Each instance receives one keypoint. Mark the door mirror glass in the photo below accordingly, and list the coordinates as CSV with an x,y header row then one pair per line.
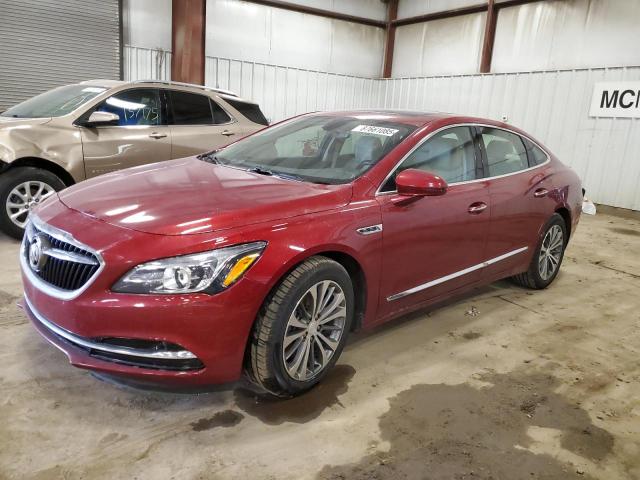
x,y
97,119
418,183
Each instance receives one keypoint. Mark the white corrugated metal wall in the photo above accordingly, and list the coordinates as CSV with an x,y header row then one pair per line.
x,y
552,105
284,91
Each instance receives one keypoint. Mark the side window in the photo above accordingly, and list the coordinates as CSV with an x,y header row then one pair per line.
x,y
537,156
505,151
250,110
219,115
190,108
138,106
449,154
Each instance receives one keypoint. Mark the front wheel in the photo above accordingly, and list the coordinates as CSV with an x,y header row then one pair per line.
x,y
21,190
302,328
548,256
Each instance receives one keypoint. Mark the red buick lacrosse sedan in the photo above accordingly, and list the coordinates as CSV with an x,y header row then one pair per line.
x,y
263,256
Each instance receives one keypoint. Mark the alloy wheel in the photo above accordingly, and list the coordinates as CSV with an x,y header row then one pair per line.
x,y
24,197
550,252
314,330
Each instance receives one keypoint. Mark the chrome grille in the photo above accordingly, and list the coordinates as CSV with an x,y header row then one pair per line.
x,y
61,262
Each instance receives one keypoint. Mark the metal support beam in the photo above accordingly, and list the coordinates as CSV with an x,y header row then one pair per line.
x,y
187,41
390,38
456,12
489,37
294,7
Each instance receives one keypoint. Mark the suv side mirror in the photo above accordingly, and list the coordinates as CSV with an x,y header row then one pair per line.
x,y
97,119
418,183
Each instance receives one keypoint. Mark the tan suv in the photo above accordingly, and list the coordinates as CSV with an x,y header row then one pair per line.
x,y
79,131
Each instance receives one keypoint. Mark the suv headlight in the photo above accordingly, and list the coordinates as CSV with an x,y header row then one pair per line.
x,y
209,272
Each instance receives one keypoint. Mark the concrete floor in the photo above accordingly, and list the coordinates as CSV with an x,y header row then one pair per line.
x,y
502,384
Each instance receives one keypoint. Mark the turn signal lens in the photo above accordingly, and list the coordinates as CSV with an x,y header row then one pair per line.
x,y
239,268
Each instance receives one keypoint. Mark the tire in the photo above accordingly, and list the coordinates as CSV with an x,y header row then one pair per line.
x,y
536,277
17,180
270,361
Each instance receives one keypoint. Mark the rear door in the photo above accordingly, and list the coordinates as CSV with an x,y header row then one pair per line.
x,y
140,137
434,245
198,124
518,191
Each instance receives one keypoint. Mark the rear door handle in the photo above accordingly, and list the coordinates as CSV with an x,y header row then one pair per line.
x,y
541,192
227,133
157,135
477,207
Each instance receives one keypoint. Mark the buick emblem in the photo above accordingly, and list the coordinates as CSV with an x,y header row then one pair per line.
x,y
37,255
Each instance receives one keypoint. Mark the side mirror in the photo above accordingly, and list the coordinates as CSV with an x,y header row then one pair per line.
x,y
418,183
97,119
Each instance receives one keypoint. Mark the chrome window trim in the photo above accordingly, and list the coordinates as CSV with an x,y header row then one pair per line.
x,y
101,347
451,276
61,235
379,191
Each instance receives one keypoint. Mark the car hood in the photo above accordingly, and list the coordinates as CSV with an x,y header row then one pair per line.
x,y
189,196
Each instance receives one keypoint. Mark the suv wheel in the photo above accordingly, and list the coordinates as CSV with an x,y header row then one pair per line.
x,y
302,328
21,190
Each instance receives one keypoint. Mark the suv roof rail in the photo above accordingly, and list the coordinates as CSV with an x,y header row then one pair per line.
x,y
192,85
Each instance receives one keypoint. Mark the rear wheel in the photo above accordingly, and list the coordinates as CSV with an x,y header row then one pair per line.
x,y
302,328
21,190
547,259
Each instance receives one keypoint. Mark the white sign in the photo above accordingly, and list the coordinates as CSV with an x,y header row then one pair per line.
x,y
387,132
616,99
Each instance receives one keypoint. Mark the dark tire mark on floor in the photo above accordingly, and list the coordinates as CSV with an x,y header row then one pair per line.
x,y
302,409
626,231
225,419
453,432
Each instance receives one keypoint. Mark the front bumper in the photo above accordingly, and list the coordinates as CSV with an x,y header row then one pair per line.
x,y
149,354
192,340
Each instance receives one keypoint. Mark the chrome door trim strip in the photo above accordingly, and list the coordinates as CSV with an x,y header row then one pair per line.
x,y
484,179
451,276
101,347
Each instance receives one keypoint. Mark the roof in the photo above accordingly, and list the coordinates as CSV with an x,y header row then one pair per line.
x,y
104,83
410,117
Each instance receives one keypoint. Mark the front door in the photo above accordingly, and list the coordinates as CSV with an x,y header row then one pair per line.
x,y
434,245
199,124
139,138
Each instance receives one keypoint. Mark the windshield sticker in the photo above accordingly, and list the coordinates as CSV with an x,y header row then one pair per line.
x,y
94,89
387,132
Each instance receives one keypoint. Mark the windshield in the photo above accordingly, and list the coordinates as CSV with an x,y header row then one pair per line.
x,y
320,149
54,103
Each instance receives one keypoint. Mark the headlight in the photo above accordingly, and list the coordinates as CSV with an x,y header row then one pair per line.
x,y
209,272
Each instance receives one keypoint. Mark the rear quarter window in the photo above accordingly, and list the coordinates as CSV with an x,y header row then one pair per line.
x,y
250,110
537,156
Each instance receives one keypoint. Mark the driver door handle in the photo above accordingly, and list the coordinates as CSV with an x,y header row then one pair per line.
x,y
157,135
477,207
541,192
227,133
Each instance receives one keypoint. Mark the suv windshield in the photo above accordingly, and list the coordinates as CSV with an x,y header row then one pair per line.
x,y
320,149
54,103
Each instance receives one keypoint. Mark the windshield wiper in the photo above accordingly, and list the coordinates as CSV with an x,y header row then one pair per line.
x,y
271,173
210,157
